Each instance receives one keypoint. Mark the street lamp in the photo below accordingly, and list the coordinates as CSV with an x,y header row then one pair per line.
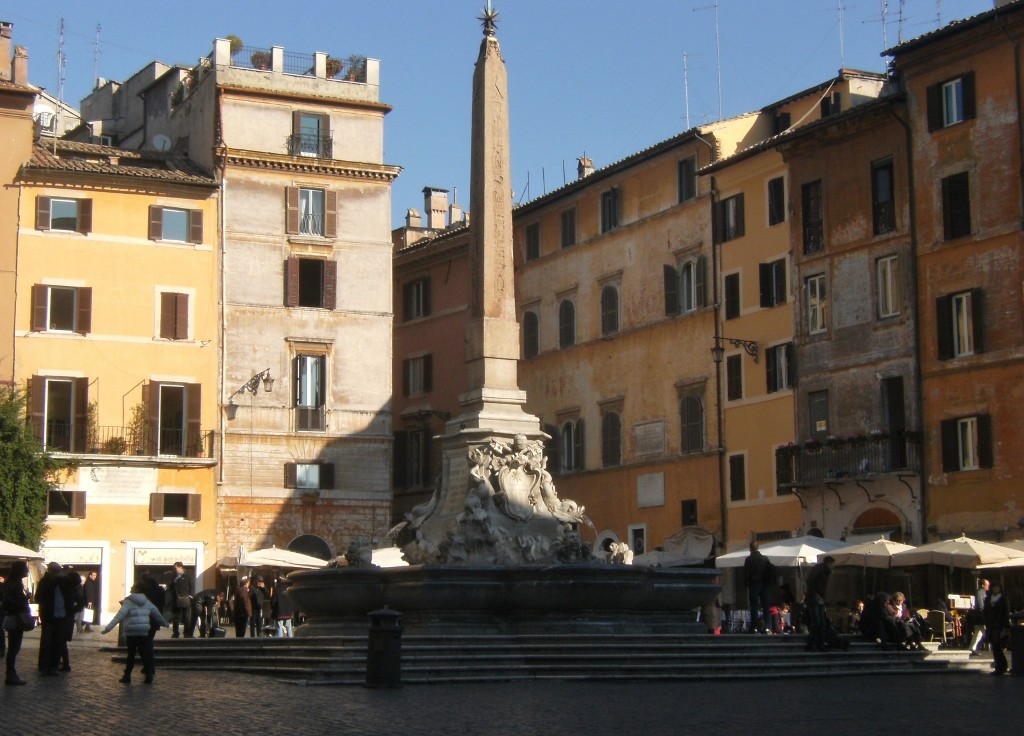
x,y
718,350
252,386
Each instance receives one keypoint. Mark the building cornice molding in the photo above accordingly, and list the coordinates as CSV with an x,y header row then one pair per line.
x,y
313,166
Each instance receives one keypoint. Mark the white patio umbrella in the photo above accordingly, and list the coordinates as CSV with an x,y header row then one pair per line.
x,y
10,551
962,552
785,552
877,554
274,557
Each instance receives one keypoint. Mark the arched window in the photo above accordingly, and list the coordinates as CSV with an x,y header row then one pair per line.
x,y
531,334
566,324
684,289
691,425
611,440
609,310
572,446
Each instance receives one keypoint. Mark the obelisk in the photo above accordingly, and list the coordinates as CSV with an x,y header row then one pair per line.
x,y
493,399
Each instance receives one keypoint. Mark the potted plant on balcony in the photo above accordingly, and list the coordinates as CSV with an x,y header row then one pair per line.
x,y
137,428
236,44
115,446
356,68
333,67
260,60
92,429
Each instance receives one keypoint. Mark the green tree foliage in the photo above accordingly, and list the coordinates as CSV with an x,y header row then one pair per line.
x,y
27,473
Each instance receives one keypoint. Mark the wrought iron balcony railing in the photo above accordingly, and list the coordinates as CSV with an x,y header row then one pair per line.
x,y
850,458
80,440
317,146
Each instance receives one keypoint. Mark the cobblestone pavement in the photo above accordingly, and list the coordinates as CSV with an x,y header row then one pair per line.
x,y
89,701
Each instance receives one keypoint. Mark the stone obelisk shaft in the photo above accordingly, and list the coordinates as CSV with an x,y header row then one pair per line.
x,y
493,396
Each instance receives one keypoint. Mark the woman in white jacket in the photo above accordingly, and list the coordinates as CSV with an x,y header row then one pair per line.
x,y
136,612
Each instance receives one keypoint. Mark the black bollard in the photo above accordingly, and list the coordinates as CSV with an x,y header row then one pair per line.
x,y
384,649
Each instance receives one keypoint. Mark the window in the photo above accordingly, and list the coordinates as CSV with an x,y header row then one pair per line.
x,y
174,415
817,305
531,334
779,366
734,377
611,440
66,503
175,506
311,135
310,391
311,282
773,283
61,308
951,102
311,212
417,375
571,450
817,414
959,321
781,123
729,218
814,226
173,316
776,200
568,219
609,209
887,274
609,310
732,296
883,205
176,225
566,324
59,409
412,458
71,215
687,174
684,289
691,425
416,299
532,241
688,507
737,478
967,443
956,206
309,476
831,105
637,538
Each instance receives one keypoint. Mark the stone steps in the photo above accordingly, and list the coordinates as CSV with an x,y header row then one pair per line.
x,y
462,658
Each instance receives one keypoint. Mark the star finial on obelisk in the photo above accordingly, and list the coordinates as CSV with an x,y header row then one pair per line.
x,y
489,19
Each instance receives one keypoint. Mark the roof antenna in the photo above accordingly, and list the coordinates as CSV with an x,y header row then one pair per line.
x,y
96,59
61,63
718,53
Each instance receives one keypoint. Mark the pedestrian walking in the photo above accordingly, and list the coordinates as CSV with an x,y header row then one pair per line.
x,y
14,602
74,603
759,573
241,607
91,592
282,609
997,627
52,613
139,616
258,596
181,590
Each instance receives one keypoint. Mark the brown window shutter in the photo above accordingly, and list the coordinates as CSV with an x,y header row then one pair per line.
x,y
978,320
944,326
40,304
406,301
156,506
181,316
81,425
325,126
934,102
426,296
156,222
739,215
985,440
290,475
84,321
699,278
42,213
967,86
399,459
37,402
296,122
193,419
950,446
195,226
428,373
671,279
330,284
291,203
152,394
167,312
85,216
327,476
330,214
194,507
291,282
77,505
405,377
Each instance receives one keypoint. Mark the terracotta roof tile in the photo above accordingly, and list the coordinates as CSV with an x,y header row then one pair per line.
x,y
93,158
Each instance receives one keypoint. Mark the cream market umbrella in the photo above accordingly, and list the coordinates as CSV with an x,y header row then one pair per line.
x,y
274,557
785,552
962,552
10,551
877,554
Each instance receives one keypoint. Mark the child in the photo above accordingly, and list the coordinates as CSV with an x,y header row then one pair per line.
x,y
137,611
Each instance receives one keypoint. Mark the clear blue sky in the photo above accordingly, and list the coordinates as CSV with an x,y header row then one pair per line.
x,y
604,78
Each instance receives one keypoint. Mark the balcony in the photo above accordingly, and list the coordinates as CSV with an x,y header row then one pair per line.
x,y
852,458
310,418
62,437
316,146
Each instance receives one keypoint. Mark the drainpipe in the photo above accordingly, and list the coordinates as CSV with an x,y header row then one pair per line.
x,y
1015,43
223,288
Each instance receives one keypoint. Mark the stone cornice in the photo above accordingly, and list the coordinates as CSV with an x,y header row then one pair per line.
x,y
315,166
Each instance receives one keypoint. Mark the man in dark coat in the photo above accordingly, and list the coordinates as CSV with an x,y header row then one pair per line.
x,y
814,602
258,595
52,613
205,611
91,591
181,590
997,626
759,573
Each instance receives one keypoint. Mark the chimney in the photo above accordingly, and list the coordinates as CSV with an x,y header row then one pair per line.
x,y
6,30
585,167
412,218
454,214
19,68
435,205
